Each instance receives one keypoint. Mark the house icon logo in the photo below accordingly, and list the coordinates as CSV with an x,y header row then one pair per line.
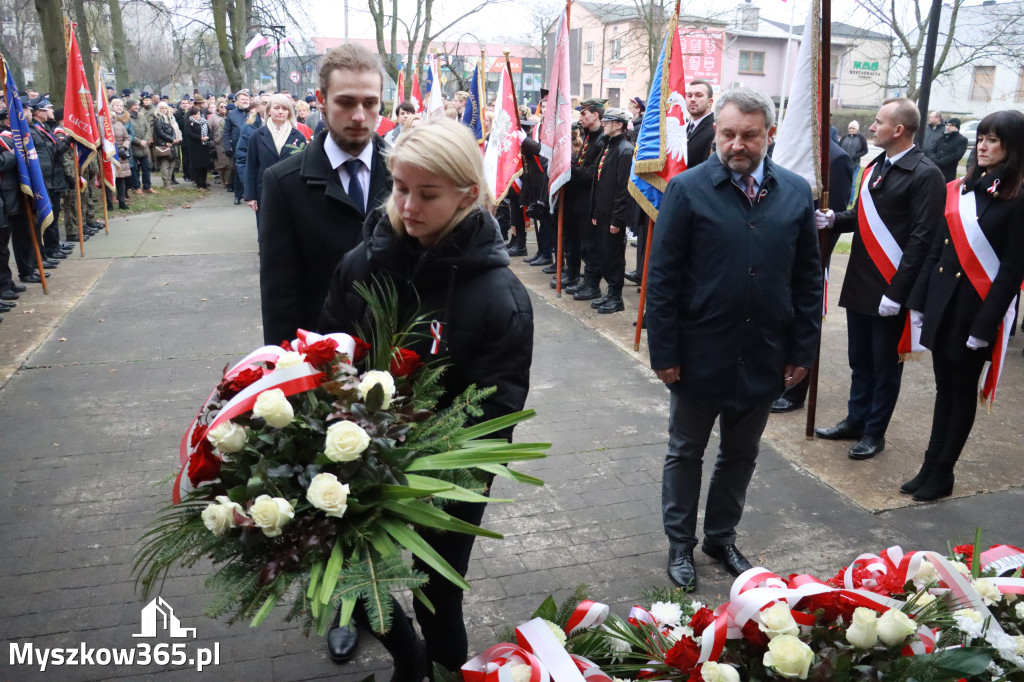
x,y
158,615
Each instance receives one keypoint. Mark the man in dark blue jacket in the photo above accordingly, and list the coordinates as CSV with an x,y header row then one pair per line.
x,y
233,125
734,310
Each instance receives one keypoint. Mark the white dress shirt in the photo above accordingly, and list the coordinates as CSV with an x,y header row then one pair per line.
x,y
338,156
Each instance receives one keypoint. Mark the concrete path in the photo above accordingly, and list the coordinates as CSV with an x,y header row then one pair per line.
x,y
139,330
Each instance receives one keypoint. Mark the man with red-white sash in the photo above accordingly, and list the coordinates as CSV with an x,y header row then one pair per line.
x,y
894,220
967,294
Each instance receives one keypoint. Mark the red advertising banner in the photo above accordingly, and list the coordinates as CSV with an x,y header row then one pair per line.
x,y
703,53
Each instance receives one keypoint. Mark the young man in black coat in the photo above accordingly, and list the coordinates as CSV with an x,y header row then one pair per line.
x,y
734,309
949,149
577,231
611,209
313,204
908,194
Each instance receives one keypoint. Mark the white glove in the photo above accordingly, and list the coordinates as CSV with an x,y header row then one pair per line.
x,y
888,307
975,343
521,135
917,318
825,220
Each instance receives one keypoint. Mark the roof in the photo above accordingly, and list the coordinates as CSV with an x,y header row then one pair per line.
x,y
839,30
613,13
463,49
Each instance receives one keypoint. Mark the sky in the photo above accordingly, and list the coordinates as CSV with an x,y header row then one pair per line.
x,y
505,18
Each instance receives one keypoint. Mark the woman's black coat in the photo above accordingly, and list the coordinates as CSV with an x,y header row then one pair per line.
x,y
463,282
198,154
855,145
261,154
952,308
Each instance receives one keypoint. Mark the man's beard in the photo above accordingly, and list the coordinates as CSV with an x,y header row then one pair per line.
x,y
350,146
724,158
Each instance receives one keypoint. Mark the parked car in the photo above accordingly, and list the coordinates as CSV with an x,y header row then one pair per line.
x,y
970,131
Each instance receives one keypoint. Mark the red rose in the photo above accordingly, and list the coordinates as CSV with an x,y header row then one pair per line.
x,y
683,654
229,388
361,350
966,551
703,618
286,345
752,633
834,605
203,465
321,352
404,362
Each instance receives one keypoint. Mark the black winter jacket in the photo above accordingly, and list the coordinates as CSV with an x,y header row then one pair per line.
x,y
463,282
947,152
581,182
10,183
51,147
611,203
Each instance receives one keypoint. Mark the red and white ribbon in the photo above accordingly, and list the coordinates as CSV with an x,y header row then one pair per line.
x,y
587,615
981,265
435,332
495,665
536,637
1002,558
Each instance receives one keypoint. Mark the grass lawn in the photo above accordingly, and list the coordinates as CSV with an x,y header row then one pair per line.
x,y
163,199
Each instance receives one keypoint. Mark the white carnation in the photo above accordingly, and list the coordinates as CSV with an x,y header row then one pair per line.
x,y
556,631
926,575
680,631
990,594
970,622
667,613
962,567
1011,649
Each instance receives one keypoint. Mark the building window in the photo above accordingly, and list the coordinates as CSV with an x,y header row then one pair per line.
x,y
616,50
752,62
834,68
588,57
981,88
588,91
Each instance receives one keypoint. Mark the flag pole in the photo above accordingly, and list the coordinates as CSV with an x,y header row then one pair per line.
x,y
102,154
560,248
643,285
69,26
825,88
28,207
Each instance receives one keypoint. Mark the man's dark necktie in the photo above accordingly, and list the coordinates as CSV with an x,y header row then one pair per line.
x,y
749,187
689,129
355,190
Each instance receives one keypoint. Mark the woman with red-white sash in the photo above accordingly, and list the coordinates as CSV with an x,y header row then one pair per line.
x,y
966,296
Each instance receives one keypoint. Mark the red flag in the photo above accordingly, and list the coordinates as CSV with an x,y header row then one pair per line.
x,y
400,92
503,161
385,125
110,160
556,134
79,114
415,96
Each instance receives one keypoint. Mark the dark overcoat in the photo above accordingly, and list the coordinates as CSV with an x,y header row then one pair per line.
x,y
611,203
909,199
581,181
698,145
734,291
307,223
262,154
947,152
953,310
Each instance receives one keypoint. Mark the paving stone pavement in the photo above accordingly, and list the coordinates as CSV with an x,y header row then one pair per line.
x,y
90,423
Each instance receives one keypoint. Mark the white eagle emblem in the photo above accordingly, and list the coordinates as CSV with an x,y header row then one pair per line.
x,y
675,131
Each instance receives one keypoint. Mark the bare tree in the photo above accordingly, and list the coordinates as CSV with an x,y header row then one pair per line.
x,y
51,26
19,33
966,34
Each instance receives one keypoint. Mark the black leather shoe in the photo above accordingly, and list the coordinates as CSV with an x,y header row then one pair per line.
x,y
568,285
633,276
730,557
342,641
867,447
238,201
612,304
67,247
681,569
95,224
6,307
57,254
34,278
841,431
542,261
785,405
530,259
9,295
550,269
17,288
50,264
599,302
517,252
586,293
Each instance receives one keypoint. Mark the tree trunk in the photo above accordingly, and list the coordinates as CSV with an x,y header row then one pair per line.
x,y
51,24
84,39
224,48
118,46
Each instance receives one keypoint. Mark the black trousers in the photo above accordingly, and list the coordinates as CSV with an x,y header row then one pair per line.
x,y
876,370
689,428
547,233
6,277
640,221
956,403
444,631
21,244
612,249
572,224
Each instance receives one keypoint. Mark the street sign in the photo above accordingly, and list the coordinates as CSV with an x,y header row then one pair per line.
x,y
294,76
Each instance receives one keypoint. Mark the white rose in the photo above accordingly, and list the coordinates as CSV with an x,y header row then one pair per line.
x,y
520,672
555,630
273,406
667,613
789,657
289,359
1019,609
716,672
777,620
345,441
962,567
271,514
894,627
386,381
924,599
219,517
926,575
862,632
990,594
970,622
227,436
326,493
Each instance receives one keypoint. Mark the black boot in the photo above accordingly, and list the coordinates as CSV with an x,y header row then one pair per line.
x,y
613,303
939,484
925,472
600,302
568,280
589,291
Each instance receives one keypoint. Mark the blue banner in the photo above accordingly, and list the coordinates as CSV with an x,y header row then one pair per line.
x,y
471,116
29,172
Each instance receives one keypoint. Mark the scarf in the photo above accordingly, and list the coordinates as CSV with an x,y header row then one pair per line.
x,y
280,135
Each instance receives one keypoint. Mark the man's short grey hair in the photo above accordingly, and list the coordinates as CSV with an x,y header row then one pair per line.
x,y
749,101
